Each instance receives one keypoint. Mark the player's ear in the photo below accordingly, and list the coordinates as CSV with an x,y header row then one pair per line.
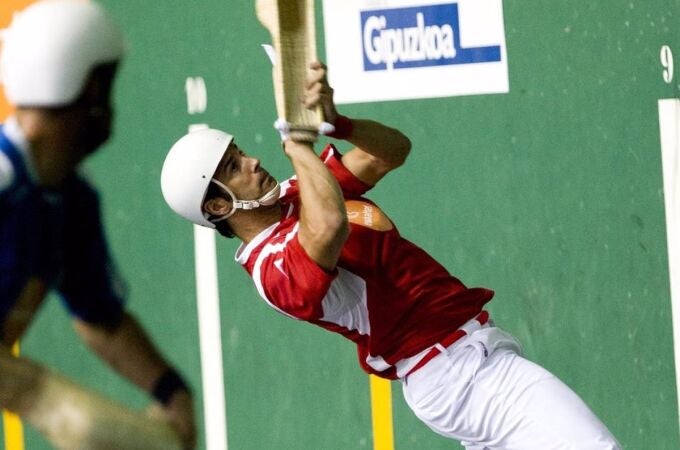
x,y
217,206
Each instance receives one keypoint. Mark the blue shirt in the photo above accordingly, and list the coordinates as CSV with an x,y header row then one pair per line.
x,y
57,236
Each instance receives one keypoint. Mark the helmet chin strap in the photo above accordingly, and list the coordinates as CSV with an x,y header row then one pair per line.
x,y
267,199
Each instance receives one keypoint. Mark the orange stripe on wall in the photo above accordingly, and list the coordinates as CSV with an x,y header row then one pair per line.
x,y
7,9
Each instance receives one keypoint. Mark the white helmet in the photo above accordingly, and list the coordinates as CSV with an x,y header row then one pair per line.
x,y
50,49
188,171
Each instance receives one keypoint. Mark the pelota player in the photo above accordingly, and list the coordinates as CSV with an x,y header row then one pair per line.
x,y
58,64
319,251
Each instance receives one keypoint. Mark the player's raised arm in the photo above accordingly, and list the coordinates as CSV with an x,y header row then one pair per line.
x,y
378,148
323,219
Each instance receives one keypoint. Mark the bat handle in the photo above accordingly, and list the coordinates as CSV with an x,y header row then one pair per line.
x,y
308,132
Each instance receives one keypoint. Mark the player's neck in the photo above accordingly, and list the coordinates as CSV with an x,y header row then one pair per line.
x,y
246,225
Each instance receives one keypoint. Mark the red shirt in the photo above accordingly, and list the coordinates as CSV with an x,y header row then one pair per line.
x,y
386,294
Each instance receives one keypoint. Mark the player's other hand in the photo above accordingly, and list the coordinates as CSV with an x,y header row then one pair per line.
x,y
319,92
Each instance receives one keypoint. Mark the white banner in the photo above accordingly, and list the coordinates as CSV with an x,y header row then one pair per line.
x,y
405,49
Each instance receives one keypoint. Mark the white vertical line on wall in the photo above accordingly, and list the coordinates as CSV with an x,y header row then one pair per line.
x,y
669,126
210,335
208,306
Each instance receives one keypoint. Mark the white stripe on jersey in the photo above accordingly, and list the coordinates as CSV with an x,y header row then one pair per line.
x,y
268,250
244,250
345,302
285,185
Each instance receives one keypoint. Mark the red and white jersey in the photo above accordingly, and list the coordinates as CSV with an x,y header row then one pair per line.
x,y
386,294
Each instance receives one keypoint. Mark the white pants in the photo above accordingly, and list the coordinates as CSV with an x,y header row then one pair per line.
x,y
484,394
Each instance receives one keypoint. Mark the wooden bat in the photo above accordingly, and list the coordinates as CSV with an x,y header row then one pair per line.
x,y
292,28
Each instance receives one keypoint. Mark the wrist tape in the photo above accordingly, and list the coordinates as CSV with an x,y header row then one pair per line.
x,y
343,128
168,383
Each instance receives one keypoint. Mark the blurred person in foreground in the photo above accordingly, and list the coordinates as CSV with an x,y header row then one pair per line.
x,y
58,63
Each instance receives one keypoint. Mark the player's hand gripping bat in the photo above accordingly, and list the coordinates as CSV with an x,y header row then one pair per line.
x,y
292,28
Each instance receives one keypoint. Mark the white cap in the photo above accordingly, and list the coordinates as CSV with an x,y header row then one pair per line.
x,y
50,49
188,170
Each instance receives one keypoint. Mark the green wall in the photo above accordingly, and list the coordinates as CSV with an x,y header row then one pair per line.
x,y
551,195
